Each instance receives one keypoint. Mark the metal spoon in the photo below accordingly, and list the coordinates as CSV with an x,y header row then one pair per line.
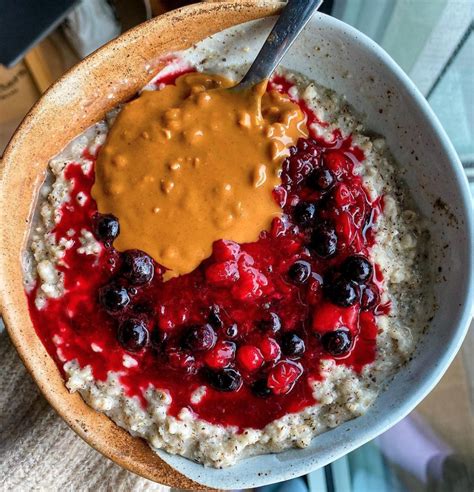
x,y
290,23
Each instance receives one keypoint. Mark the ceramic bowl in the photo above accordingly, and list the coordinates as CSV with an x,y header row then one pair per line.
x,y
338,57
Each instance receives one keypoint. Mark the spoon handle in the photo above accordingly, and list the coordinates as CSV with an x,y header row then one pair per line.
x,y
290,23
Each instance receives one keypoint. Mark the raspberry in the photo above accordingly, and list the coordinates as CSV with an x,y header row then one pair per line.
x,y
250,285
181,360
343,196
280,196
249,357
345,230
165,323
223,250
309,146
221,355
270,349
283,376
335,161
328,317
224,273
278,227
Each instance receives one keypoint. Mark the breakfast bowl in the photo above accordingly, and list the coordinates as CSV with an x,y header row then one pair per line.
x,y
337,57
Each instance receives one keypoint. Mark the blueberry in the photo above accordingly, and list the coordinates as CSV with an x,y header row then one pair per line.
x,y
200,337
224,380
133,334
113,297
299,272
143,307
308,145
214,317
322,179
304,213
137,267
157,338
342,292
369,298
292,345
271,323
357,268
106,227
324,240
337,342
232,331
260,388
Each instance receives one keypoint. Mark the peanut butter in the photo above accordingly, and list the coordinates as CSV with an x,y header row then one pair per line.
x,y
193,163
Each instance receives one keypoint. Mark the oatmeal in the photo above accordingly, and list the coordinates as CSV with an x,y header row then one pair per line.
x,y
265,344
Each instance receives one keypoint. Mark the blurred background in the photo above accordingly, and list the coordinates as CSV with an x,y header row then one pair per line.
x,y
433,42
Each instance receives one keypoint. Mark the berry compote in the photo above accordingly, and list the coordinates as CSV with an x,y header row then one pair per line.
x,y
253,321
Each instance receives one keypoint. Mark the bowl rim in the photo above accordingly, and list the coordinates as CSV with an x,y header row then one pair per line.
x,y
461,185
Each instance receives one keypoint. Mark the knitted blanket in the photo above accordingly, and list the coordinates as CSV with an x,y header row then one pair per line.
x,y
38,451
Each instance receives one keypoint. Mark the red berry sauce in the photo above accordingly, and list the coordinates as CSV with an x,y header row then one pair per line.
x,y
247,286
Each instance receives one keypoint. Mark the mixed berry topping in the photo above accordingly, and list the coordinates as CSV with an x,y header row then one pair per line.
x,y
222,355
369,298
324,239
132,334
225,380
261,389
271,322
250,358
214,318
114,297
199,337
322,179
105,227
292,345
304,213
342,292
254,321
299,272
357,268
137,267
283,377
337,342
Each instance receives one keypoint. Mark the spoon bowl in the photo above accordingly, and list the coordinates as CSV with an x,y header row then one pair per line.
x,y
287,28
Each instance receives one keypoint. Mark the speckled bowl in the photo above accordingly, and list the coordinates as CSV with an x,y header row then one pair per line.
x,y
336,56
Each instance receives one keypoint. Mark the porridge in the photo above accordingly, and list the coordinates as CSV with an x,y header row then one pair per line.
x,y
285,322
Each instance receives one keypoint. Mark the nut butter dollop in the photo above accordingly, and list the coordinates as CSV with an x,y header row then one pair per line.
x,y
193,163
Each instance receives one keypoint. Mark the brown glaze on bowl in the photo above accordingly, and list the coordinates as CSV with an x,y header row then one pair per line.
x,y
82,97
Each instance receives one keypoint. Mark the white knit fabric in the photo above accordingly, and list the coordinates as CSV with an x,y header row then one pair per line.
x,y
38,451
